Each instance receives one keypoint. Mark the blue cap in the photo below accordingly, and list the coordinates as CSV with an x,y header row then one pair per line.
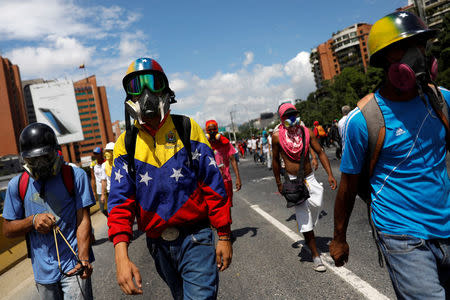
x,y
97,150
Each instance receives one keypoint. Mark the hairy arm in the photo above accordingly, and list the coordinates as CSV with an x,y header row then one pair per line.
x,y
43,223
276,161
83,241
323,159
343,208
236,172
16,228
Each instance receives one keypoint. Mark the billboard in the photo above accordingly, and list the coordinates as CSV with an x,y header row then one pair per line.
x,y
55,105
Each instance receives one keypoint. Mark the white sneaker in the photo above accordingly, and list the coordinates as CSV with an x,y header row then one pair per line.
x,y
318,265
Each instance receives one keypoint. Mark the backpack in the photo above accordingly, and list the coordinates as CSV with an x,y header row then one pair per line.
x,y
376,130
68,178
321,131
182,126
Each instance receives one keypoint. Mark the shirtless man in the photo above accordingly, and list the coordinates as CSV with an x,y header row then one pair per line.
x,y
288,143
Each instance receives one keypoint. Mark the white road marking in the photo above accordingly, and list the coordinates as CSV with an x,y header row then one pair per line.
x,y
262,179
348,276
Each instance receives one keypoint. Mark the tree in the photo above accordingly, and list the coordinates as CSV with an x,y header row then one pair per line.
x,y
441,50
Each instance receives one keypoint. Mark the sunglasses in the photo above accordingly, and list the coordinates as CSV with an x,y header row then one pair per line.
x,y
155,82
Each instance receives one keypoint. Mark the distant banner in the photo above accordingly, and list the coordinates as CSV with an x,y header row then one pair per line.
x,y
55,105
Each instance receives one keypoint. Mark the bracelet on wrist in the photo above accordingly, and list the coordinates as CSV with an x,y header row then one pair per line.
x,y
34,218
224,239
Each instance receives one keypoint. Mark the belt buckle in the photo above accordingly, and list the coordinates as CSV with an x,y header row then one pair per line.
x,y
170,234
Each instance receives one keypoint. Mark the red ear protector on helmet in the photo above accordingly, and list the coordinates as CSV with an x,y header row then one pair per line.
x,y
413,65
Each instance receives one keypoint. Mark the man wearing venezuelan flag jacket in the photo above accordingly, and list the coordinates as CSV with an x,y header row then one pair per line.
x,y
175,202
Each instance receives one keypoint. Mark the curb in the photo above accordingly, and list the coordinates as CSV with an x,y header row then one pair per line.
x,y
13,251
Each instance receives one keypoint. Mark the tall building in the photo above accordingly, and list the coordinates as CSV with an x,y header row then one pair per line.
x,y
324,62
431,11
13,116
95,119
346,48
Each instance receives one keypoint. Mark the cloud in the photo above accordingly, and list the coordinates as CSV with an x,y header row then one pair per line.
x,y
248,58
34,19
246,93
59,56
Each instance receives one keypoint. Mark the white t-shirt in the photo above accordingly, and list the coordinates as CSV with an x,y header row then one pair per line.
x,y
341,125
106,177
253,141
98,173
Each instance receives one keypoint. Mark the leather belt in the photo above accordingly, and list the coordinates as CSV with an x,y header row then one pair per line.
x,y
171,233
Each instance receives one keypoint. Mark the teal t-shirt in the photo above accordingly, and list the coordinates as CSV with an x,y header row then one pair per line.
x,y
411,187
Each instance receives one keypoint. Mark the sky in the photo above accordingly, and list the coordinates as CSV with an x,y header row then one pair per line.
x,y
221,57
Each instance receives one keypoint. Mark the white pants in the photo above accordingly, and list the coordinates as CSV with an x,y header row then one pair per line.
x,y
303,213
268,159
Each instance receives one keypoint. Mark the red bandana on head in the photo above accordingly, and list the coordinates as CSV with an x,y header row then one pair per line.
x,y
291,137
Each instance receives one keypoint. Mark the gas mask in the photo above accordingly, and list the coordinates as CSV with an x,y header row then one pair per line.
x,y
43,167
414,68
108,156
291,121
148,105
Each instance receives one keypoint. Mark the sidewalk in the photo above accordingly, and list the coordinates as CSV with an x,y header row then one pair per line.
x,y
18,282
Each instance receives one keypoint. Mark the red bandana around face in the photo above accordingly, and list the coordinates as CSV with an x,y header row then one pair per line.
x,y
291,141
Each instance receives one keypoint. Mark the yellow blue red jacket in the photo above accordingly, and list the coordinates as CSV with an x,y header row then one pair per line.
x,y
166,192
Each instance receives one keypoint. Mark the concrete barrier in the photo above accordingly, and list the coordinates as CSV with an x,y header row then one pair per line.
x,y
13,251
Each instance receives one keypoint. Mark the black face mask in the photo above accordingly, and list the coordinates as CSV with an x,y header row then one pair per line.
x,y
42,168
148,105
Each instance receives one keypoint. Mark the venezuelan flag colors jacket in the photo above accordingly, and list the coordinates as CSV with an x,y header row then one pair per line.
x,y
166,191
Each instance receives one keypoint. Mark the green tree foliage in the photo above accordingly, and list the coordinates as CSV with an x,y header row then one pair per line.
x,y
324,105
441,50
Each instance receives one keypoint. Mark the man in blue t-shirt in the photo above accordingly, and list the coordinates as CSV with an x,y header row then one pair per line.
x,y
410,206
47,203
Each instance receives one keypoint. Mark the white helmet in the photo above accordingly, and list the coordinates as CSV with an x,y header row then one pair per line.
x,y
109,146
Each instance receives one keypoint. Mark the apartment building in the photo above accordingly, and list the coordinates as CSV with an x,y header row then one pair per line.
x,y
431,11
13,116
346,48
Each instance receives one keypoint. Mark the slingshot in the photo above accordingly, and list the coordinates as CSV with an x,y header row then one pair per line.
x,y
79,271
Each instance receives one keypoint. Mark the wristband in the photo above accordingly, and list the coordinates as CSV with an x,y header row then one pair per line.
x,y
225,239
34,217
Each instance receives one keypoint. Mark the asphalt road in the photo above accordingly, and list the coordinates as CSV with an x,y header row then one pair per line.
x,y
269,261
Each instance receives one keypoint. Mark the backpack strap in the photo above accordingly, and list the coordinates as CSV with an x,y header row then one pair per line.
x,y
440,107
68,178
376,128
24,180
183,127
23,185
130,146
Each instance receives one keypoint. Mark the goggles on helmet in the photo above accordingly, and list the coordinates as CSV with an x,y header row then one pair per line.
x,y
155,82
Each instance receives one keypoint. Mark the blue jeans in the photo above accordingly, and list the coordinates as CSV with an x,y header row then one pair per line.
x,y
419,269
68,288
188,264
